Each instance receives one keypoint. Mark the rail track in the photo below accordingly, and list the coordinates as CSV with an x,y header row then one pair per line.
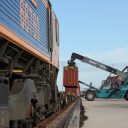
x,y
59,119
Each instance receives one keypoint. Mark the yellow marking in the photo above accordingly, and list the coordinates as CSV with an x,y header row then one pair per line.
x,y
17,70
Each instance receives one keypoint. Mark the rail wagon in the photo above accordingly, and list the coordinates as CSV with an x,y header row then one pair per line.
x,y
29,62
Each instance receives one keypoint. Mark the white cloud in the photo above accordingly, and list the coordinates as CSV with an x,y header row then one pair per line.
x,y
119,55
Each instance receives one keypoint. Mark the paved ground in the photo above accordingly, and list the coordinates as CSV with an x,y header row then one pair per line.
x,y
74,122
106,113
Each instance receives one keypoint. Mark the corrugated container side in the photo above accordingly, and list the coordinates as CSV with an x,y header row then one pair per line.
x,y
27,21
73,91
0,14
70,77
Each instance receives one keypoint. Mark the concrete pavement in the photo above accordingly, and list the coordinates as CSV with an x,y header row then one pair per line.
x,y
104,113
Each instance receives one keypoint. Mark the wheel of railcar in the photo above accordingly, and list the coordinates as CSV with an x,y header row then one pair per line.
x,y
90,95
126,96
34,102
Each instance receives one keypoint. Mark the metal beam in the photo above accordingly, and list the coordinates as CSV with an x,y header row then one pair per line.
x,y
29,63
3,47
15,59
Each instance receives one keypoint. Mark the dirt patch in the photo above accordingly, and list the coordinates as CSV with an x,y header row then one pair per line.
x,y
83,118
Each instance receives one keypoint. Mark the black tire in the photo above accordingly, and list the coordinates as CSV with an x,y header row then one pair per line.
x,y
90,95
126,96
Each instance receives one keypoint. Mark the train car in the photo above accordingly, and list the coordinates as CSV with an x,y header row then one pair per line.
x,y
29,61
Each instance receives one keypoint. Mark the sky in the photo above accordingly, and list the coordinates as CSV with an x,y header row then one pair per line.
x,y
94,28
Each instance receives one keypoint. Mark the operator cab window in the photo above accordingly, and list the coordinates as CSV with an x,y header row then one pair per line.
x,y
106,84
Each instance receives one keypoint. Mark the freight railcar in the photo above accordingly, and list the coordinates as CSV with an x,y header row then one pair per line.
x,y
29,62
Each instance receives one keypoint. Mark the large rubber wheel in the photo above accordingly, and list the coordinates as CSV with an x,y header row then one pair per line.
x,y
126,96
90,95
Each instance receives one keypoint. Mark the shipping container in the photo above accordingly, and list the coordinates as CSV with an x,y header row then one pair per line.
x,y
73,91
70,77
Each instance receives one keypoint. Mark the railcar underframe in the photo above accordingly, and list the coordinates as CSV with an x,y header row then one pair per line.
x,y
16,63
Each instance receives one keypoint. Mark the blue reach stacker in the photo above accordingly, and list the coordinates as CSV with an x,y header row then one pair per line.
x,y
109,89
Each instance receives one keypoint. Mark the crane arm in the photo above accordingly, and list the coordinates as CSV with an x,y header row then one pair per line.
x,y
96,64
90,86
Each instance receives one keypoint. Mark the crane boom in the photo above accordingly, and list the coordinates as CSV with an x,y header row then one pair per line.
x,y
96,64
90,86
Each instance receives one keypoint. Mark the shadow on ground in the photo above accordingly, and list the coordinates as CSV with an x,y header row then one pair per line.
x,y
82,115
